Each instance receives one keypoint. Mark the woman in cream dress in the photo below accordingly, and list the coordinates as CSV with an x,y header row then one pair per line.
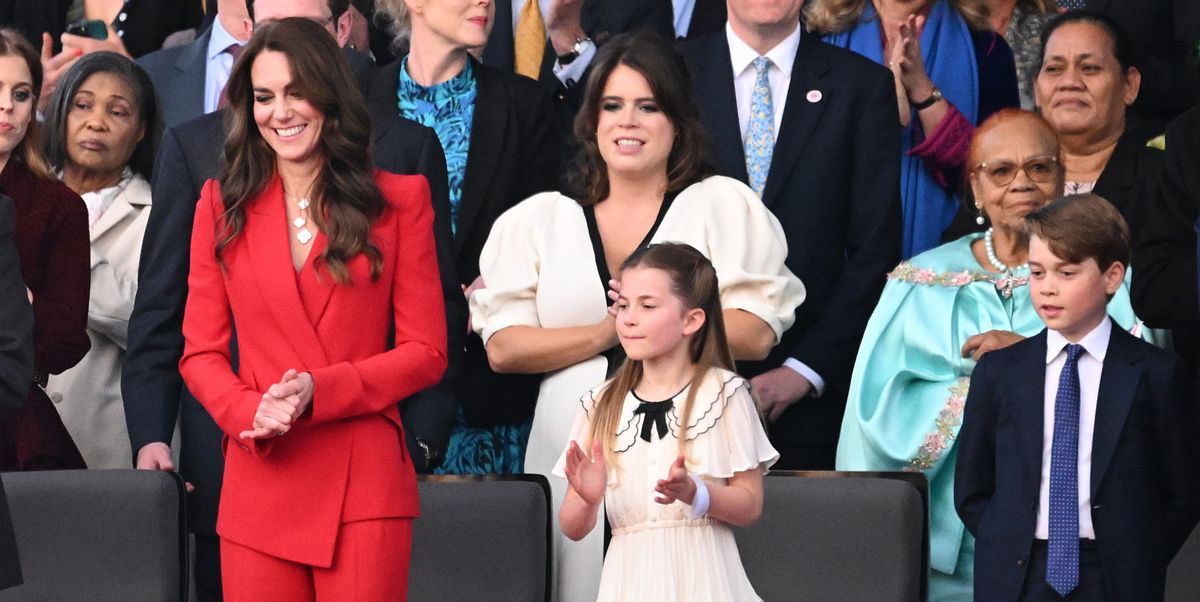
x,y
548,262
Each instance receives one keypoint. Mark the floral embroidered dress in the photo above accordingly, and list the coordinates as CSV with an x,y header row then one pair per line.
x,y
910,381
449,108
658,553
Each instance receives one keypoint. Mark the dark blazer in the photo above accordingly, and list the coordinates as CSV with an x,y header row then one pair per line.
x,y
834,185
1164,34
52,243
1130,180
1145,473
513,155
146,22
16,330
178,75
16,365
151,385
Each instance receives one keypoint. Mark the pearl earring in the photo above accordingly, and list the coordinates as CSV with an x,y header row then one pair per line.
x,y
979,217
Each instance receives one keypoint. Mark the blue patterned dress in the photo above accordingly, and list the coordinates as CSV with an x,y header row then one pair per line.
x,y
449,108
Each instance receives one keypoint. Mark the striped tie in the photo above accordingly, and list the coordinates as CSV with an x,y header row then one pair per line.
x,y
530,42
760,133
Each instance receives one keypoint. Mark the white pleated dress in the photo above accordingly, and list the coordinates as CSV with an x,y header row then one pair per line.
x,y
657,552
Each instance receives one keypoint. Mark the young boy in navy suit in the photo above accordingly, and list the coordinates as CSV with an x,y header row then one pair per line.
x,y
1077,458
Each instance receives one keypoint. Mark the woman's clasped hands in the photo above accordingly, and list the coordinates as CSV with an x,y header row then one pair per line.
x,y
281,406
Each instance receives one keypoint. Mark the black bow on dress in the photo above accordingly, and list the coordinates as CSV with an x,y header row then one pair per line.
x,y
655,414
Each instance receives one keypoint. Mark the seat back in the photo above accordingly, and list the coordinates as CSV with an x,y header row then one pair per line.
x,y
98,535
839,536
481,538
1183,576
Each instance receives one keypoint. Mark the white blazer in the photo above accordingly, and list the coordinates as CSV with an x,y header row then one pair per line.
x,y
88,396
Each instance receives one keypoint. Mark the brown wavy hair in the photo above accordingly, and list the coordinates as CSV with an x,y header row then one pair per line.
x,y
665,70
836,16
694,282
345,197
28,150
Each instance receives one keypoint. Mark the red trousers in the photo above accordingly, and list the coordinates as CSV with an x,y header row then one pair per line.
x,y
370,562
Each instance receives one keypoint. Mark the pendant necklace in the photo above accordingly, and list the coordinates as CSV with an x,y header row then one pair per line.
x,y
1007,280
303,234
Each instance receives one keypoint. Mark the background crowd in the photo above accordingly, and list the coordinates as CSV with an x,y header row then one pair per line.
x,y
857,172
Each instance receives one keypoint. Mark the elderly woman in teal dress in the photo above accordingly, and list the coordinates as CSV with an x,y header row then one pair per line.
x,y
938,314
488,122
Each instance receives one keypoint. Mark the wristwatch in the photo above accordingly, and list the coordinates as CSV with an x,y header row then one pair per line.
x,y
934,96
581,44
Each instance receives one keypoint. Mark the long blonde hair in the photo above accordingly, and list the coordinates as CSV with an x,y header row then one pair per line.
x,y
836,16
694,283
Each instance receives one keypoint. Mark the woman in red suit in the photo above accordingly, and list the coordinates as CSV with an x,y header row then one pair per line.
x,y
328,270
53,246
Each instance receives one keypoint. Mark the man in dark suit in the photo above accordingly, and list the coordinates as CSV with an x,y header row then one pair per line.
x,y
16,367
151,385
831,170
1077,457
189,79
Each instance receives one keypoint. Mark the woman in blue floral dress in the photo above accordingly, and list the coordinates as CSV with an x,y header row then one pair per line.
x,y
498,136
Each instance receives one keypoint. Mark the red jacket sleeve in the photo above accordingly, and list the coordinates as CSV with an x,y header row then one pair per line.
x,y
207,328
418,357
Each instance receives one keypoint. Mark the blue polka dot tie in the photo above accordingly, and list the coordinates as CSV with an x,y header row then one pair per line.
x,y
760,133
1066,5
1062,567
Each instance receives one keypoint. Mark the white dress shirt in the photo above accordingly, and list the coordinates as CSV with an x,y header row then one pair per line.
x,y
779,75
1091,362
684,9
218,65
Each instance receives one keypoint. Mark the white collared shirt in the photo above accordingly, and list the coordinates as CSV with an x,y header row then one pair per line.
x,y
98,201
779,74
1091,362
218,64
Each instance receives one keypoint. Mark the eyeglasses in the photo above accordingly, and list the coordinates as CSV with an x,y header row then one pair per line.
x,y
1002,173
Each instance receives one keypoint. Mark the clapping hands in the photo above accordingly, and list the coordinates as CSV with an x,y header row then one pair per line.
x,y
677,486
281,406
587,477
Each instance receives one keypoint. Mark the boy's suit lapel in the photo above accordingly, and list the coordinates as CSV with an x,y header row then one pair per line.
x,y
1118,388
1030,393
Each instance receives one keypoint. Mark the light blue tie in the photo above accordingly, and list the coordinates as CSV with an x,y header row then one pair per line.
x,y
760,133
1062,564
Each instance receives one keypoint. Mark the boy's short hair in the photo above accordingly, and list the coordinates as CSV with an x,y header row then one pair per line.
x,y
1082,226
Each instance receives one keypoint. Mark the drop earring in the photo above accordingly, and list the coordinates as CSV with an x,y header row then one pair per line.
x,y
979,216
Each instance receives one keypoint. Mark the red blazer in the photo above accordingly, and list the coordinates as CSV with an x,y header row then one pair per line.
x,y
345,459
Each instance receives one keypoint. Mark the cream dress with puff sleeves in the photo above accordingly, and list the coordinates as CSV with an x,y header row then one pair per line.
x,y
540,267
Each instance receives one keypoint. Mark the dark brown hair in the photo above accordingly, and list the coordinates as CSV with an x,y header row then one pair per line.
x,y
1082,226
28,150
694,282
666,72
345,198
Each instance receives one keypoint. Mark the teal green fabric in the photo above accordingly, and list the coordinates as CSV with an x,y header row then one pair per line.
x,y
910,382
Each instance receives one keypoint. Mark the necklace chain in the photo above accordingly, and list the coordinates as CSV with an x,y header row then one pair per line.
x,y
303,234
1000,266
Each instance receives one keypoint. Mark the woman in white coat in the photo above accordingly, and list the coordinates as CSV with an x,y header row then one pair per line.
x,y
101,132
550,261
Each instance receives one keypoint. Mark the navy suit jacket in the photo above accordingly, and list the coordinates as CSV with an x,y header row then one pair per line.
x,y
1145,475
834,185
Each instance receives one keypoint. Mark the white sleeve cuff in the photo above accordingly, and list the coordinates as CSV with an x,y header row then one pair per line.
x,y
818,383
572,74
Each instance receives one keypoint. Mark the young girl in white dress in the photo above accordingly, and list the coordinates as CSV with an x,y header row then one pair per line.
x,y
677,448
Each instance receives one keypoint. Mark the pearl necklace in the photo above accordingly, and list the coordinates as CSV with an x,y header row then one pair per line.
x,y
1000,266
1007,280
